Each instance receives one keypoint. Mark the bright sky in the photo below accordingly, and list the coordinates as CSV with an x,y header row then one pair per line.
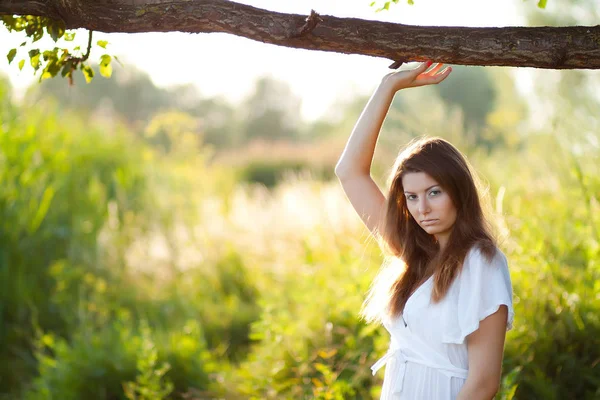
x,y
221,64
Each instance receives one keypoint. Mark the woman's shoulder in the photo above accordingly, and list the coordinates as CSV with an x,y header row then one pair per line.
x,y
487,261
488,254
482,286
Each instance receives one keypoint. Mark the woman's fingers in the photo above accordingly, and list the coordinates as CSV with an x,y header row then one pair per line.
x,y
435,69
421,68
434,77
415,72
418,76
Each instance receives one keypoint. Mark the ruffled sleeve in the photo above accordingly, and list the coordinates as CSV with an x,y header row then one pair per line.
x,y
477,292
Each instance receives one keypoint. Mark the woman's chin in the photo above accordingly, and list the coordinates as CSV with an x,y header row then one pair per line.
x,y
432,230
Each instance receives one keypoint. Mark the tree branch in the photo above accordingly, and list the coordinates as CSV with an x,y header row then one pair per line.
x,y
540,47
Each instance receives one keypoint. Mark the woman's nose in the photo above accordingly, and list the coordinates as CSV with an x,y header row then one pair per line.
x,y
423,206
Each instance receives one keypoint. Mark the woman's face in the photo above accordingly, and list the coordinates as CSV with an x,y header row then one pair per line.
x,y
429,204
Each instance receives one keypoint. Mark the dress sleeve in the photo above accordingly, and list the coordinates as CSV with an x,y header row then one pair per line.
x,y
478,291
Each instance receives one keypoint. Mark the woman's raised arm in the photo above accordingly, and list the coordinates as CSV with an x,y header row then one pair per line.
x,y
353,169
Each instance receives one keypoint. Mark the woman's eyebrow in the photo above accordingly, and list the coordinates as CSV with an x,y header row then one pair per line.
x,y
430,187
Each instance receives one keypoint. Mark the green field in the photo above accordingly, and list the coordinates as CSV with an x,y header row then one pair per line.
x,y
145,264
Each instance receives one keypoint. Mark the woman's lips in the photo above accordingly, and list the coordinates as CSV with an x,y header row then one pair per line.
x,y
429,221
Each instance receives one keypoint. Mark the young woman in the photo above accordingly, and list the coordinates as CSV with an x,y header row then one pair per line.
x,y
445,293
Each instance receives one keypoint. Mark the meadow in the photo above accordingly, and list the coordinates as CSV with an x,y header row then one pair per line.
x,y
131,269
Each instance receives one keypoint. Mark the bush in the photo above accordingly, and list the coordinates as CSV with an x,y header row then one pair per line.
x,y
119,361
59,179
272,172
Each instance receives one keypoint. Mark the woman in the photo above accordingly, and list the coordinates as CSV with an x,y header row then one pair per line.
x,y
445,296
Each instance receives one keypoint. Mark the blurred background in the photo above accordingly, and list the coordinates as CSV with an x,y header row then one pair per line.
x,y
177,232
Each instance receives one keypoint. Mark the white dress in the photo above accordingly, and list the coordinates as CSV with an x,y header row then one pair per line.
x,y
427,357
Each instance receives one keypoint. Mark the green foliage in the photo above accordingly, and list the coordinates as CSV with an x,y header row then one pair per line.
x,y
311,344
230,304
118,360
72,201
271,111
149,383
91,364
7,110
130,267
88,73
58,59
559,291
34,26
57,185
134,98
105,65
11,55
472,90
174,132
132,95
271,172
386,4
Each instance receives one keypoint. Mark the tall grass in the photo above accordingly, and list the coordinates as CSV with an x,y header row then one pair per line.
x,y
129,271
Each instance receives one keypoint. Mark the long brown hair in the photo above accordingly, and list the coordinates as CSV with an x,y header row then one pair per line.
x,y
412,255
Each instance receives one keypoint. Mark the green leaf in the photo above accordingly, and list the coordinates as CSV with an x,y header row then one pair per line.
x,y
21,65
11,55
542,3
49,55
105,66
69,36
52,68
105,59
56,30
45,75
65,55
42,209
35,61
411,2
88,73
67,69
102,43
106,70
34,32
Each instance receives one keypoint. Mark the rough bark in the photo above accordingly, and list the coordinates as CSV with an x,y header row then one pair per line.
x,y
540,47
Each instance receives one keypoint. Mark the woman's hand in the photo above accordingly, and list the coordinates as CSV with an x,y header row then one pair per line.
x,y
416,77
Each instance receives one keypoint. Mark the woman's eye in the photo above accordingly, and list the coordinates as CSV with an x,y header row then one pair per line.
x,y
434,192
411,197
